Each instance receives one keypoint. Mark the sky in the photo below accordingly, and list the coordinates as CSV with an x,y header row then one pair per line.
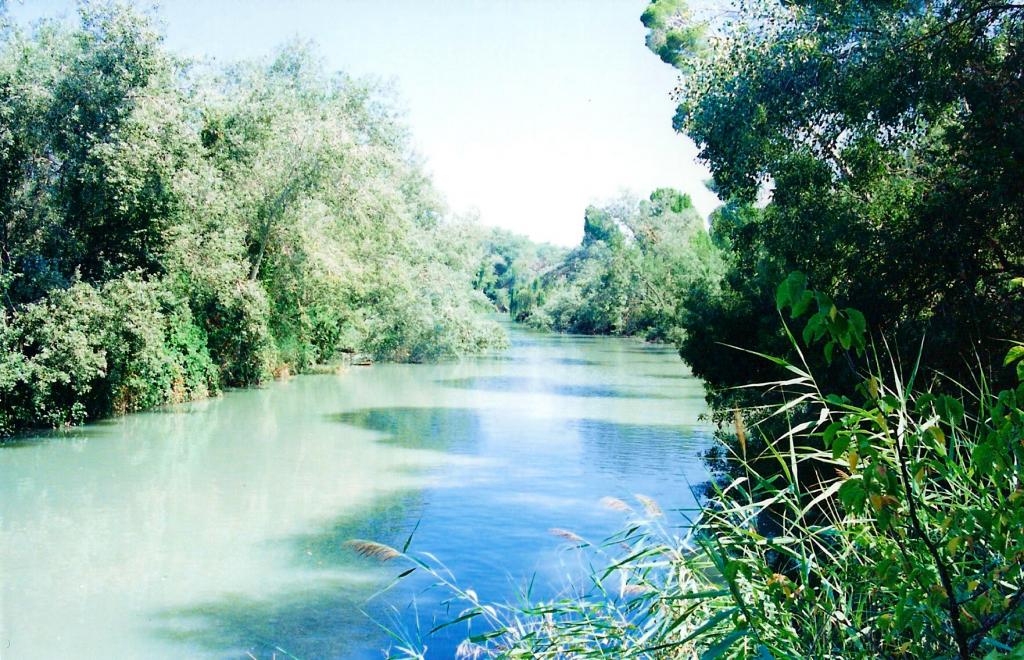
x,y
524,110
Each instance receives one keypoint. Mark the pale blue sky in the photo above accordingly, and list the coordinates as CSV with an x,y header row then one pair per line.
x,y
527,110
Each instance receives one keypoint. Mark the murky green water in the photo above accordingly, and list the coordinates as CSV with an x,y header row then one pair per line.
x,y
217,529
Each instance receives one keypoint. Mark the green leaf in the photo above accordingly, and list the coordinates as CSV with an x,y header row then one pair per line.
x,y
465,617
846,340
1016,353
853,495
791,290
858,324
810,333
840,444
491,634
408,541
723,645
800,306
830,433
951,410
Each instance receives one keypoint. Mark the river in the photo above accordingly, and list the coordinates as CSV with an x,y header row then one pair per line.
x,y
217,528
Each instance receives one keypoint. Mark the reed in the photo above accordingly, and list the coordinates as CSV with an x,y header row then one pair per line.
x,y
887,526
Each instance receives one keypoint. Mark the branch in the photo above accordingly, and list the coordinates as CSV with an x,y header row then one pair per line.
x,y
963,19
959,634
991,621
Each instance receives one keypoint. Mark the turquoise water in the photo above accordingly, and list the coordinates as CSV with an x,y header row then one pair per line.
x,y
217,529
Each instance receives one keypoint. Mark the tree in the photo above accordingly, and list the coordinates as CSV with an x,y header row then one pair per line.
x,y
91,143
166,230
884,134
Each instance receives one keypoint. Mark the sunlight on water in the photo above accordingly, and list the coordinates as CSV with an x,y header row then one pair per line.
x,y
217,528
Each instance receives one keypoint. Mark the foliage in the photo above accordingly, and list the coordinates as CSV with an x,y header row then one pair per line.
x,y
87,351
167,228
871,147
637,262
511,270
672,36
908,541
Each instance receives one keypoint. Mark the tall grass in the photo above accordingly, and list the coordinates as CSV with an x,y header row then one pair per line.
x,y
890,524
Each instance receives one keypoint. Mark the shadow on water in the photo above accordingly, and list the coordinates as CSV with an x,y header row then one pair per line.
x,y
507,359
573,362
538,488
389,521
447,429
646,349
31,438
334,616
326,621
331,617
519,384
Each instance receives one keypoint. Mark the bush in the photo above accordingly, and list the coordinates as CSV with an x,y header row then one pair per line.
x,y
86,352
418,321
155,352
236,321
53,360
891,524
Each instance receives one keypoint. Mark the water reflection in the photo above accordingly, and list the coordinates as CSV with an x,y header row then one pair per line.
x,y
522,384
328,615
450,429
219,529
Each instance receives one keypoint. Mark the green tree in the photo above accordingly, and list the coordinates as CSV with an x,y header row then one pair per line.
x,y
885,138
168,228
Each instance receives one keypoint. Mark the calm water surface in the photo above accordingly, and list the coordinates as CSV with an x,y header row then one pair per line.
x,y
216,529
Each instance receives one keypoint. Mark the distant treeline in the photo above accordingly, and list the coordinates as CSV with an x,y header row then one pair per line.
x,y
168,229
630,275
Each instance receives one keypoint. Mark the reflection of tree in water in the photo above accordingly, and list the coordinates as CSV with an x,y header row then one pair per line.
x,y
573,362
500,358
328,618
390,520
449,429
325,618
521,384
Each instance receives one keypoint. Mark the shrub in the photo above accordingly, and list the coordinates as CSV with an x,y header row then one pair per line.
x,y
155,352
235,318
54,359
85,352
891,524
418,321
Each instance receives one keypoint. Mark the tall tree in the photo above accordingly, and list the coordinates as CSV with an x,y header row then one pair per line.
x,y
888,138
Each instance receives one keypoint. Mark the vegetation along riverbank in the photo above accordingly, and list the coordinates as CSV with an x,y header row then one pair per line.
x,y
854,307
855,311
171,228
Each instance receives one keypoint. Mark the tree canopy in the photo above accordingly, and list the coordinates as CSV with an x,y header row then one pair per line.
x,y
887,137
169,228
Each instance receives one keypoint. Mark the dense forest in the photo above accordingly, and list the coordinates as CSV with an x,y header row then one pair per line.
x,y
170,229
